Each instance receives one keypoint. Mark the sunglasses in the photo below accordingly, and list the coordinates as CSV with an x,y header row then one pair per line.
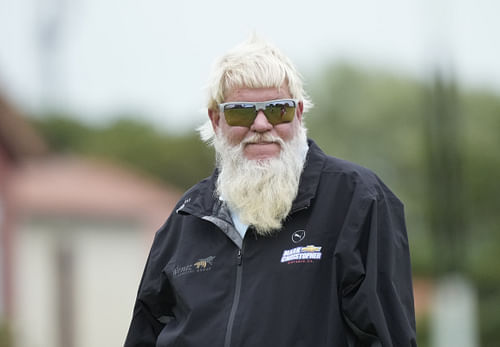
x,y
243,113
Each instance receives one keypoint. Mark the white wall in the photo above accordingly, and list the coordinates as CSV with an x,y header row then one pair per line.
x,y
2,219
107,261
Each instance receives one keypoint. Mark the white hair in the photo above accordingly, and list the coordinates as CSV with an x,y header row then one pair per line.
x,y
255,63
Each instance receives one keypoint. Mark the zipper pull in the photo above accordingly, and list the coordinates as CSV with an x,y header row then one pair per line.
x,y
239,256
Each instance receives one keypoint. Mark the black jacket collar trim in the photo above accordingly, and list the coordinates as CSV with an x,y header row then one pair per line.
x,y
309,180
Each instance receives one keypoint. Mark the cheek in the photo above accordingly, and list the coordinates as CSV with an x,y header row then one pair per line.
x,y
287,130
235,134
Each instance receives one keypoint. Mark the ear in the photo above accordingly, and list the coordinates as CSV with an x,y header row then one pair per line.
x,y
214,118
300,111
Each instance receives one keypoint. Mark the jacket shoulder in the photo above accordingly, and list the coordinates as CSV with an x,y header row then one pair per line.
x,y
195,192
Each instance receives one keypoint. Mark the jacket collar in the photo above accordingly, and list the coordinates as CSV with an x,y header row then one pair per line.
x,y
309,180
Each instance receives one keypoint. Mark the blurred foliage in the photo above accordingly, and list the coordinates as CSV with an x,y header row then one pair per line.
x,y
374,118
5,335
423,331
445,206
180,160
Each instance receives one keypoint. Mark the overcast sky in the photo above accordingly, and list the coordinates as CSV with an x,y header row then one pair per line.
x,y
153,56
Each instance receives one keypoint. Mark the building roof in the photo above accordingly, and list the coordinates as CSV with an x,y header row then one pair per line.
x,y
67,186
17,137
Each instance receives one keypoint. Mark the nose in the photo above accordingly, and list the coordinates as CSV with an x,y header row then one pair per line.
x,y
261,124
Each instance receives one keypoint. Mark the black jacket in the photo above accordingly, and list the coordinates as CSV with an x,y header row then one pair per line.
x,y
337,274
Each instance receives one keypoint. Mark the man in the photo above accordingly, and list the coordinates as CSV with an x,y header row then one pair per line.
x,y
282,245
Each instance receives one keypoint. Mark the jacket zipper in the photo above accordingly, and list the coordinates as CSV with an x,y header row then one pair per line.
x,y
297,209
236,298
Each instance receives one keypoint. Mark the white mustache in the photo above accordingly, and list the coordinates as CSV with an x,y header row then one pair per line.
x,y
259,138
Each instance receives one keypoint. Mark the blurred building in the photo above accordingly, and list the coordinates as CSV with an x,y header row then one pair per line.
x,y
82,236
18,143
75,236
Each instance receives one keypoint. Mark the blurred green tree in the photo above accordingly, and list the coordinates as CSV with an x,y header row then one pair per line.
x,y
444,144
5,335
180,160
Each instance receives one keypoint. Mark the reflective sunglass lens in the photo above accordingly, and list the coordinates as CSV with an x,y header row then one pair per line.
x,y
280,112
240,114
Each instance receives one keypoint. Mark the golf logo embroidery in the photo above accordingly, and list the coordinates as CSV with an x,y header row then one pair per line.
x,y
308,254
204,263
201,265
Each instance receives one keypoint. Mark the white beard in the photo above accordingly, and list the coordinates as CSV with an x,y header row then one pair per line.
x,y
261,192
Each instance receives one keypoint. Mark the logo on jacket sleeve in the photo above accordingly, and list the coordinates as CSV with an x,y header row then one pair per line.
x,y
306,254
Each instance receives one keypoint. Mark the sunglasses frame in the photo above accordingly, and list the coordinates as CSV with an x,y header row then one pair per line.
x,y
259,105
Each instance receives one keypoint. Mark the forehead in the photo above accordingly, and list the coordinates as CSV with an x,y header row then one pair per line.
x,y
257,94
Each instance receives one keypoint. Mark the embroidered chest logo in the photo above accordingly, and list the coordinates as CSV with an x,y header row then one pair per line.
x,y
204,263
298,236
201,265
308,254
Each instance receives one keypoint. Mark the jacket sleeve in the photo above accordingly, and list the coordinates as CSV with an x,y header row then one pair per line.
x,y
153,305
373,261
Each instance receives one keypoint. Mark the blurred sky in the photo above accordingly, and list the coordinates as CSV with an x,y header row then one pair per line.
x,y
153,56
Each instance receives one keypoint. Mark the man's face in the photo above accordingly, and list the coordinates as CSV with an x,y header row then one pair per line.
x,y
237,134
